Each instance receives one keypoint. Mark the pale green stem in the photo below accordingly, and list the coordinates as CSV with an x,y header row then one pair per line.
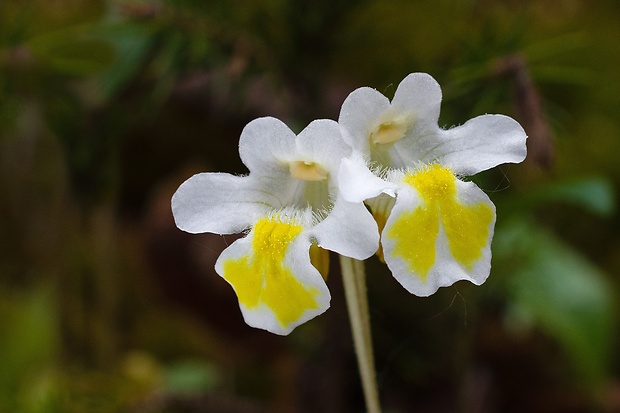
x,y
354,281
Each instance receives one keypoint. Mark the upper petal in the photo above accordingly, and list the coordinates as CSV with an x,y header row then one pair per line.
x,y
219,203
321,142
349,230
419,97
479,144
360,115
266,146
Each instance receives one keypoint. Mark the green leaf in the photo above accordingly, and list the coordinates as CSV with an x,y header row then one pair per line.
x,y
73,52
192,377
131,42
557,289
29,343
594,194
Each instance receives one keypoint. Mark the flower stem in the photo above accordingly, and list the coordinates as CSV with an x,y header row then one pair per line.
x,y
354,281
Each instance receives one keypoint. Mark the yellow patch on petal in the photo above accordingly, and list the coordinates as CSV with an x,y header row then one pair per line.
x,y
467,229
262,278
415,232
435,183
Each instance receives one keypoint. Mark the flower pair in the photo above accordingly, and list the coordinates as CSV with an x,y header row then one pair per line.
x,y
384,168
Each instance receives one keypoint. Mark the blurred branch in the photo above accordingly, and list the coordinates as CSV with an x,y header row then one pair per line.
x,y
531,114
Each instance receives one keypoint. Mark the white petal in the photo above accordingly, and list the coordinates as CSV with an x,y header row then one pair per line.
x,y
445,269
266,146
415,109
218,203
322,142
419,95
297,260
357,183
359,116
349,230
480,144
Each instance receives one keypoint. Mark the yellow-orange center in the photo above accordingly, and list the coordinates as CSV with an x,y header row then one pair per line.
x,y
388,132
307,171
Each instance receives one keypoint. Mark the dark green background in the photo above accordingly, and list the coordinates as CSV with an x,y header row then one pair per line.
x,y
107,106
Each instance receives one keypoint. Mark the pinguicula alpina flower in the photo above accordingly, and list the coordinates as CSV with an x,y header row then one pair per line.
x,y
290,205
435,228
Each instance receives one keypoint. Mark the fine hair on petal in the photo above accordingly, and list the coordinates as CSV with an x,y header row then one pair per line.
x,y
292,215
380,170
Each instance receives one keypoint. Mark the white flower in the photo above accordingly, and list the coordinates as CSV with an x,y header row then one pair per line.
x,y
435,228
290,204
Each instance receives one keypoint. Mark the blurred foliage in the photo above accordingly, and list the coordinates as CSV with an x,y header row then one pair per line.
x,y
554,286
106,106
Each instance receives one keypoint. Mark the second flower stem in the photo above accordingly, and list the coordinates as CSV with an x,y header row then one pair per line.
x,y
354,281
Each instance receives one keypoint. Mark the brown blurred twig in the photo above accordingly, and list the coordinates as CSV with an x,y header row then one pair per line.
x,y
531,113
